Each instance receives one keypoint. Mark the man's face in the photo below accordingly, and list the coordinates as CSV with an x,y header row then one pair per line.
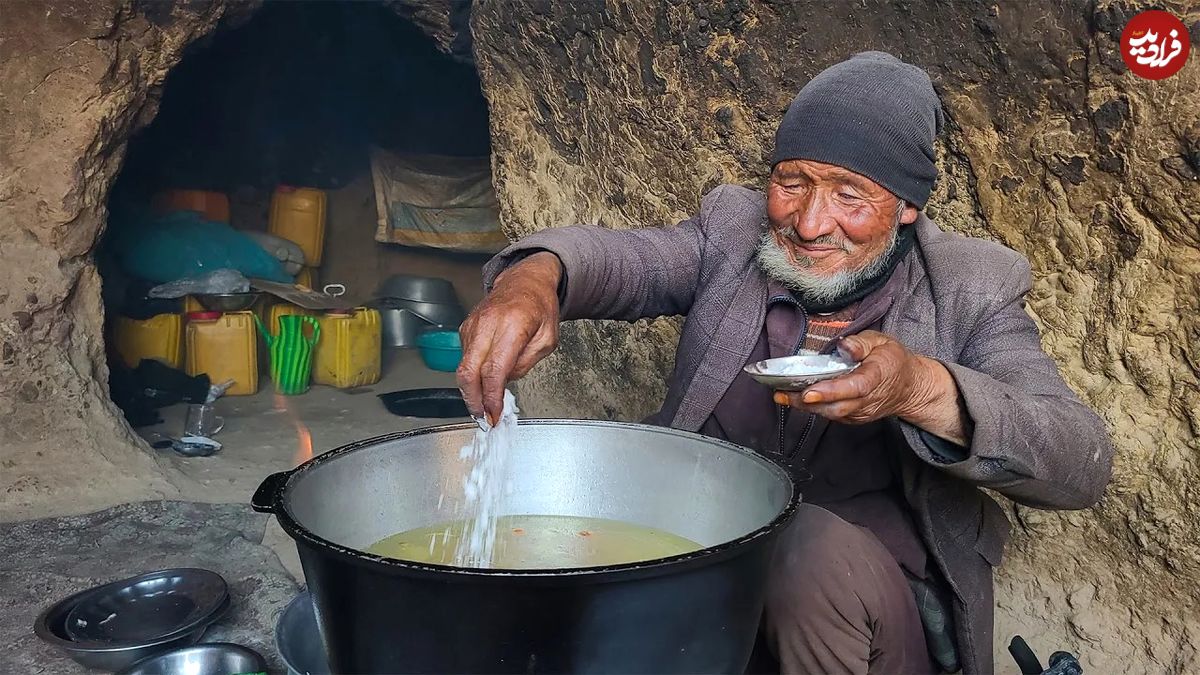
x,y
831,222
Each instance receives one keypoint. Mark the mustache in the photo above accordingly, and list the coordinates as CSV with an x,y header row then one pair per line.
x,y
789,233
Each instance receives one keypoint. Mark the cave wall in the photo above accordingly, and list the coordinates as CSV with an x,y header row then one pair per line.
x,y
76,77
624,113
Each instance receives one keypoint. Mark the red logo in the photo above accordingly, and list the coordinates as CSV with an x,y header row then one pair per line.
x,y
1155,44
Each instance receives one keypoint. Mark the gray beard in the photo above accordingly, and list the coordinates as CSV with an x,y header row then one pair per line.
x,y
815,289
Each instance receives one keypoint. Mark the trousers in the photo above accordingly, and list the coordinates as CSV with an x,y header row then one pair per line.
x,y
839,603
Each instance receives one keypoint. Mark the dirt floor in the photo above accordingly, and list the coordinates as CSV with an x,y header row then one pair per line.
x,y
43,561
262,436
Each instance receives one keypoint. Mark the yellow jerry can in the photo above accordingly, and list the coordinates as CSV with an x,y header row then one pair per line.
x,y
159,338
298,215
350,350
224,347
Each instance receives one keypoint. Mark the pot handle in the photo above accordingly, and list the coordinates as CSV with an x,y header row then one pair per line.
x,y
267,495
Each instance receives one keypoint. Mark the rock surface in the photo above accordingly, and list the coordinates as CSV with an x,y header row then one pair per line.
x,y
624,113
76,78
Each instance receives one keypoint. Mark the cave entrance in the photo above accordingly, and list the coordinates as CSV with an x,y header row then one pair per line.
x,y
348,103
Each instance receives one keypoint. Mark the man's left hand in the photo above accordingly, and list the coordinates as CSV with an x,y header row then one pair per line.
x,y
890,381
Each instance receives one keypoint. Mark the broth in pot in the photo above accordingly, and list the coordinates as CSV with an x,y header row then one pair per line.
x,y
541,542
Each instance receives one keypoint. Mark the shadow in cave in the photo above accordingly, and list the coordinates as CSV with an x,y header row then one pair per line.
x,y
300,94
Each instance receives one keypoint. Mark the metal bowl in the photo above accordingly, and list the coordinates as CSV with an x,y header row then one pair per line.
x,y
419,289
400,326
50,627
298,639
214,658
147,607
794,373
228,302
437,314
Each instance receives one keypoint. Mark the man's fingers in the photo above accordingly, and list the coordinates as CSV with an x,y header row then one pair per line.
x,y
851,386
477,343
495,371
840,411
860,345
538,348
856,384
794,399
525,363
527,360
852,348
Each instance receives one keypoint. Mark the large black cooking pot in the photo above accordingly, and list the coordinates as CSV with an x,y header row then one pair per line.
x,y
695,613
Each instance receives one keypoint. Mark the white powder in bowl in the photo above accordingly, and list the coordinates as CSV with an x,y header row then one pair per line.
x,y
806,364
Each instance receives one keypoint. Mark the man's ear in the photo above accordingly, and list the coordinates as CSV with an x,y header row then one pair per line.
x,y
909,215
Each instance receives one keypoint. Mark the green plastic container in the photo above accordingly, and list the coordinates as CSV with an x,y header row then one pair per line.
x,y
291,352
440,349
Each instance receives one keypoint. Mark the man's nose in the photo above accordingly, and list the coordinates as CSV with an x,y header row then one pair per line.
x,y
814,218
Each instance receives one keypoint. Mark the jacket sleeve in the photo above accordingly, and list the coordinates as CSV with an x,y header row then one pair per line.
x,y
617,274
1034,441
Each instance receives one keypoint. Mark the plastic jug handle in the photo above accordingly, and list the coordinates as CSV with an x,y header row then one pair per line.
x,y
316,332
263,329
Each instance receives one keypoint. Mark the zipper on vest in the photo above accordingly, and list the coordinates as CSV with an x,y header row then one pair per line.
x,y
798,464
801,463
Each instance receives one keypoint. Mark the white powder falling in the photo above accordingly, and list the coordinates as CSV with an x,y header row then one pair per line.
x,y
485,486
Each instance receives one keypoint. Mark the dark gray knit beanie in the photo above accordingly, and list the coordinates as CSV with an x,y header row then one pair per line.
x,y
873,114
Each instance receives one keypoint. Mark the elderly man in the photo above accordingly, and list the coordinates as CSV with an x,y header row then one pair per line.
x,y
888,566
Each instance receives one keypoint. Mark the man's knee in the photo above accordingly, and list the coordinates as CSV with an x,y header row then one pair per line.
x,y
827,566
837,601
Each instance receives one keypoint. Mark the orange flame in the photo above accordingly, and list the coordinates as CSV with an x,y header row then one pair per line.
x,y
304,444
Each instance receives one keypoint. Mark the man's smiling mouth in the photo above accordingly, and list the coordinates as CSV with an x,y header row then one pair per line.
x,y
797,249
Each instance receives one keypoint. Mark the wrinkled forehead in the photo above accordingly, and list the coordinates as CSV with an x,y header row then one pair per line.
x,y
820,172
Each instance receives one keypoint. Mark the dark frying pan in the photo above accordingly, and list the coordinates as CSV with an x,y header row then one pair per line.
x,y
444,402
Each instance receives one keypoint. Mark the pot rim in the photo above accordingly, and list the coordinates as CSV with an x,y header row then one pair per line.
x,y
703,557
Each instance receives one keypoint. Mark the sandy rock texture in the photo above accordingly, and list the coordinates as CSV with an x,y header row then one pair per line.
x,y
75,79
624,113
49,559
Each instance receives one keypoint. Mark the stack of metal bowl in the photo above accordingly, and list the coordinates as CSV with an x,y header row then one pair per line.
x,y
214,658
228,302
408,304
114,626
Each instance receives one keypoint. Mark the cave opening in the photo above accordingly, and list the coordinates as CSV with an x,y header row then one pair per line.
x,y
342,130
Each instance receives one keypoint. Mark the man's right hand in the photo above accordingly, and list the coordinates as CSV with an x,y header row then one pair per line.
x,y
514,327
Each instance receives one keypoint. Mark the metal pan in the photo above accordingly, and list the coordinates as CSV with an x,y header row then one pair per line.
x,y
298,640
147,607
419,289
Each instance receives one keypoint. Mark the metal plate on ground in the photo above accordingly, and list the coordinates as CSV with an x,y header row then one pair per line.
x,y
298,639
